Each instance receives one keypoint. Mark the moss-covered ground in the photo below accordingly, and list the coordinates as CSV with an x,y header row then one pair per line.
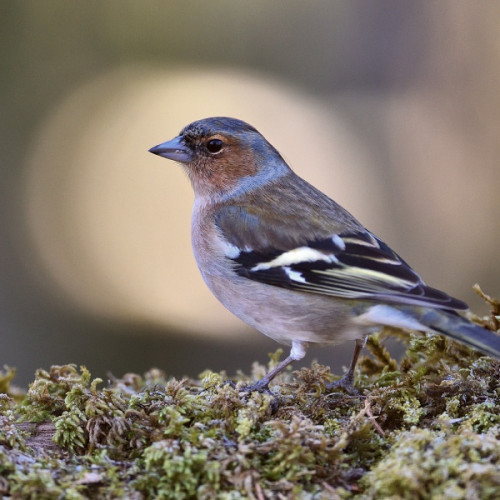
x,y
425,427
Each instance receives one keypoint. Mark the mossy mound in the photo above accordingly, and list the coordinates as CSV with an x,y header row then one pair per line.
x,y
426,427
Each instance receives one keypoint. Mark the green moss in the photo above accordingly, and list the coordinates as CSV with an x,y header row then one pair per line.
x,y
425,463
427,426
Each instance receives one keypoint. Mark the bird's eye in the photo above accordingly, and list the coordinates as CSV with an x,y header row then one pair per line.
x,y
214,145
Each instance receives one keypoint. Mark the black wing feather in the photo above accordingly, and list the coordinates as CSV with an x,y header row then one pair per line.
x,y
365,268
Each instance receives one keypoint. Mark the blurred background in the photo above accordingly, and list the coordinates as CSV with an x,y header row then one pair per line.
x,y
390,107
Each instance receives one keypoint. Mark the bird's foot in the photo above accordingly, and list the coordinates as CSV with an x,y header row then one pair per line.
x,y
259,386
346,383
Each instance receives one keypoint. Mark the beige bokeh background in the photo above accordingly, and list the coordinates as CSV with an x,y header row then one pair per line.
x,y
389,107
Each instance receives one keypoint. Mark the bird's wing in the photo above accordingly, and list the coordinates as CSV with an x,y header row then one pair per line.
x,y
353,264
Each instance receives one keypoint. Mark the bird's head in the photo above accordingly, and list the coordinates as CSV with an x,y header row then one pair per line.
x,y
223,155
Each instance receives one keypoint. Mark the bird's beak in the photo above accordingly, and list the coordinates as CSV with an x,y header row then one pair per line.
x,y
173,150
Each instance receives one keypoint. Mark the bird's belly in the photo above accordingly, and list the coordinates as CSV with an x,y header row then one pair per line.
x,y
286,315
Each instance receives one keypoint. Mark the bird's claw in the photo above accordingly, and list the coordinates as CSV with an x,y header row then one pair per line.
x,y
259,386
346,383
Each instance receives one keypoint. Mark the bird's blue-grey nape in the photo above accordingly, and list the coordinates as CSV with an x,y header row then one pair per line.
x,y
173,150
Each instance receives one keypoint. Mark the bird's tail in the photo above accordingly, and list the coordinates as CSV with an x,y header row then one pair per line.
x,y
458,328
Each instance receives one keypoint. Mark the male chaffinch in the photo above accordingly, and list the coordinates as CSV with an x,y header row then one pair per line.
x,y
292,263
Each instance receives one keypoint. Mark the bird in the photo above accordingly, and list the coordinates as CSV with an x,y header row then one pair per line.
x,y
292,263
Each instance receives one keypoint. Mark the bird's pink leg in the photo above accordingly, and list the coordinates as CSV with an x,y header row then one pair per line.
x,y
298,351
